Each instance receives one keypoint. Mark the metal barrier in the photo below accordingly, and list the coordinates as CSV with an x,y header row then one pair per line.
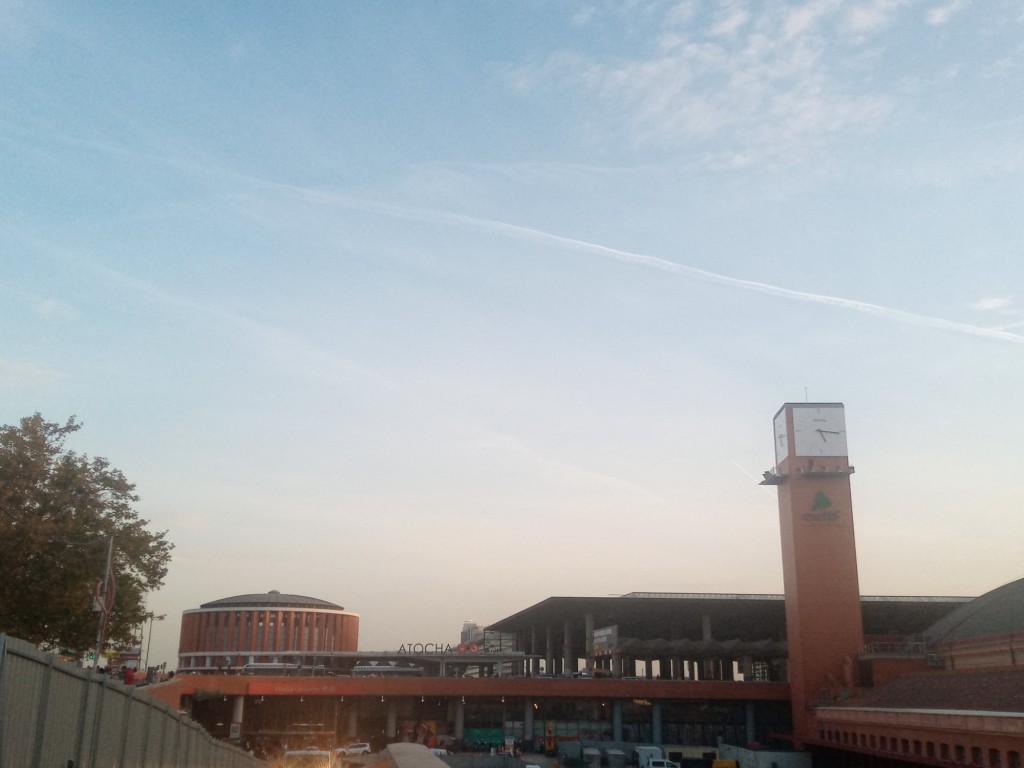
x,y
56,715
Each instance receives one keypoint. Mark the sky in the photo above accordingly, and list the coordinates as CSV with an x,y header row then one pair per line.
x,y
437,309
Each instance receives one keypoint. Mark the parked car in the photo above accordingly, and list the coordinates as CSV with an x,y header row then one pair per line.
x,y
351,750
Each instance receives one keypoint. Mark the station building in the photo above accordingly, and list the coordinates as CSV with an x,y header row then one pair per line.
x,y
848,679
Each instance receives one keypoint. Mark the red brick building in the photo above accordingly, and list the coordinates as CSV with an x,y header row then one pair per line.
x,y
269,628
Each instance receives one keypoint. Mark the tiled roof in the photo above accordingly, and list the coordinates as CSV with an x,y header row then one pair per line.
x,y
999,691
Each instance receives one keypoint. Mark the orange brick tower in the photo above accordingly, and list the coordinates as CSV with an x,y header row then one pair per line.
x,y
819,557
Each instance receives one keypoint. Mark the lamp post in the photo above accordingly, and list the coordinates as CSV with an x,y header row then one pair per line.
x,y
149,639
106,592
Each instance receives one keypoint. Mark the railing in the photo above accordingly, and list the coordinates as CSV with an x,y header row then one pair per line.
x,y
56,714
898,646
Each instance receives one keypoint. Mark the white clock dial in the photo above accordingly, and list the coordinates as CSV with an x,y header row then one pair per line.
x,y
781,437
819,430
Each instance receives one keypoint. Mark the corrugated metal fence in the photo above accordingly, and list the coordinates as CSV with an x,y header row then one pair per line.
x,y
55,715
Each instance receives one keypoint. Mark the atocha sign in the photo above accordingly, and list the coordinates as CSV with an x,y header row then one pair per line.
x,y
443,649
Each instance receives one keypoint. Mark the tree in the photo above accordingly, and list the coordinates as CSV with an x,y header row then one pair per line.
x,y
58,512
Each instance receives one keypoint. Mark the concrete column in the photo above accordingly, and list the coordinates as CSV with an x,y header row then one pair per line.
x,y
528,721
617,720
549,650
460,719
392,725
616,665
656,722
588,640
353,721
237,710
568,663
534,662
751,723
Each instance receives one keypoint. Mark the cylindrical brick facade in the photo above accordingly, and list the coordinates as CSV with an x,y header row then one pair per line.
x,y
270,628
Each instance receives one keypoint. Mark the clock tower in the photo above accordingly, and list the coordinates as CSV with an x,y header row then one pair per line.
x,y
819,557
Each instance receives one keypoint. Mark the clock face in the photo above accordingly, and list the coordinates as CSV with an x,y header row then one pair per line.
x,y
819,430
781,437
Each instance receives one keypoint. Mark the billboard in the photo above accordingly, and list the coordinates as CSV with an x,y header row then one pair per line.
x,y
605,639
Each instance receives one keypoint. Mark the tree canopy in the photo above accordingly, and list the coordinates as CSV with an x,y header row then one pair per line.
x,y
58,512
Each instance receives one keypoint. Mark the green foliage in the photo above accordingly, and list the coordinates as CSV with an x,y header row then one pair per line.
x,y
58,511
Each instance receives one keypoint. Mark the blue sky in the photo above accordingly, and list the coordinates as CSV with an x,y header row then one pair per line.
x,y
437,309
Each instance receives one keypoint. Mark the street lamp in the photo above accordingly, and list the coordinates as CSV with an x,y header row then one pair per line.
x,y
149,639
103,602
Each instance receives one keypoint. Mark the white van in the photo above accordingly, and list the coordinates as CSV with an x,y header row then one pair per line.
x,y
643,755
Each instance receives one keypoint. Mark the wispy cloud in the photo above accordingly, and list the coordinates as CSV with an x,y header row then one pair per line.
x,y
991,303
873,15
942,14
18,375
1002,307
302,353
731,18
565,473
741,90
52,309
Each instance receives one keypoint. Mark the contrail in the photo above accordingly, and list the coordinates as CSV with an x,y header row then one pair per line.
x,y
749,285
654,262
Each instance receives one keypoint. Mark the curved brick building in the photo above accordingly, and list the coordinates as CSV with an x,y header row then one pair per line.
x,y
269,628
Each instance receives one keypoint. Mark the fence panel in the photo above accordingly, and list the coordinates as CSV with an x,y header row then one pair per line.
x,y
55,714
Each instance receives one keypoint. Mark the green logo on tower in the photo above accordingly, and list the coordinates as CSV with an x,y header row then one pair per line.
x,y
821,510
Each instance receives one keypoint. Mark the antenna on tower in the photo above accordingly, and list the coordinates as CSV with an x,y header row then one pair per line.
x,y
805,395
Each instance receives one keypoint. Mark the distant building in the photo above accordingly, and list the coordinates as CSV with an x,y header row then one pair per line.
x,y
268,628
471,633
